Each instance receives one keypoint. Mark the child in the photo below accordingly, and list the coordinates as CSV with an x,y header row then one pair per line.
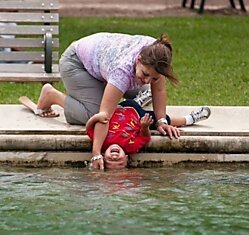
x,y
129,130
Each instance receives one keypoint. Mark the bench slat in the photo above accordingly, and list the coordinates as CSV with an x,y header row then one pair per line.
x,y
29,17
26,42
28,55
34,19
29,77
30,5
24,68
28,30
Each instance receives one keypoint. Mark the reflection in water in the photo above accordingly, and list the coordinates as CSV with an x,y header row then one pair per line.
x,y
141,201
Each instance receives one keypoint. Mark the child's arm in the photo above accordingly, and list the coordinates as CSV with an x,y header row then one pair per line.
x,y
146,121
98,117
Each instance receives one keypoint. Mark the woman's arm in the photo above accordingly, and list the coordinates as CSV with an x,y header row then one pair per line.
x,y
159,96
110,100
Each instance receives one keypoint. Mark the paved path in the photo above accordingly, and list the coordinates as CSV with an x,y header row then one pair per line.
x,y
144,8
28,139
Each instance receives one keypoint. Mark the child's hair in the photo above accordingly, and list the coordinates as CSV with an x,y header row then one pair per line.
x,y
129,161
159,55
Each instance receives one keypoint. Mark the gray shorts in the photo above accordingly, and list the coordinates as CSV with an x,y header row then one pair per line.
x,y
84,92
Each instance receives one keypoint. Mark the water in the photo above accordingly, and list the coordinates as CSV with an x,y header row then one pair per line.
x,y
132,201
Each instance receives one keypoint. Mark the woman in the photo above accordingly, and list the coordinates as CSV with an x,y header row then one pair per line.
x,y
98,70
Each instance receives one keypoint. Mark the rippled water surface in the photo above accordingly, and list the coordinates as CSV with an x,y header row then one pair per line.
x,y
133,201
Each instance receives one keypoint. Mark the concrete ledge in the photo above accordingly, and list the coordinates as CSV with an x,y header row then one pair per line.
x,y
28,140
78,159
45,143
158,144
200,144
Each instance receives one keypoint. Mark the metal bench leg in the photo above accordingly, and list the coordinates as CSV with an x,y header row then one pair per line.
x,y
242,5
232,4
192,6
184,3
48,41
201,9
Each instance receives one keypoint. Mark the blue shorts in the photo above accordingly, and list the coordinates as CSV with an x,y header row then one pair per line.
x,y
142,112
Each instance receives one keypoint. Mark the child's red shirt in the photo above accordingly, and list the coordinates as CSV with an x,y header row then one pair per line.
x,y
124,130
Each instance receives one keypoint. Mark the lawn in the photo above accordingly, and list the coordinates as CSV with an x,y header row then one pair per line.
x,y
210,58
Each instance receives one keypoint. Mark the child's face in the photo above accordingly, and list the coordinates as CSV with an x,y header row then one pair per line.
x,y
115,157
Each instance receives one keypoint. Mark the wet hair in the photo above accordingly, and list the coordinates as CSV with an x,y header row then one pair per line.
x,y
159,56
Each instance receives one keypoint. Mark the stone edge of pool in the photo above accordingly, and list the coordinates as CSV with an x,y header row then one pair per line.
x,y
81,159
27,140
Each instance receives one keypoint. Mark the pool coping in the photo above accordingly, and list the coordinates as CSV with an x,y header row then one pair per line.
x,y
223,137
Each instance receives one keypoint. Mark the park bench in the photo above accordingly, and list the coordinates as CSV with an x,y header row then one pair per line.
x,y
202,3
31,28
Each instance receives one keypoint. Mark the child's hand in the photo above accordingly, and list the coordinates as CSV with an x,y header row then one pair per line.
x,y
102,117
146,121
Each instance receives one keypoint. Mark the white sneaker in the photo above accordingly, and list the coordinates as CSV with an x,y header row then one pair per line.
x,y
144,98
201,114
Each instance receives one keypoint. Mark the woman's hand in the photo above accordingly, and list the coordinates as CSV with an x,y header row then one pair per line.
x,y
97,162
169,130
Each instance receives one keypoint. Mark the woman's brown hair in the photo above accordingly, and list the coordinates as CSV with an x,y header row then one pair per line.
x,y
159,55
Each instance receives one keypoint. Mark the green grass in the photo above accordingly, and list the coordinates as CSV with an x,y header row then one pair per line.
x,y
211,56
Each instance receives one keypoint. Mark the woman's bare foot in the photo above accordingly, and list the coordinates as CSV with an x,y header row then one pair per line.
x,y
44,101
49,96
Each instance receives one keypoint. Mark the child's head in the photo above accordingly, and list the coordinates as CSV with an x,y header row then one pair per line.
x,y
115,157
